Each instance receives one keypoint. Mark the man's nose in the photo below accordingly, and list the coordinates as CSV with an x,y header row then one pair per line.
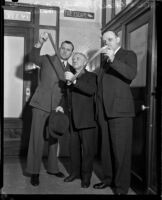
x,y
64,51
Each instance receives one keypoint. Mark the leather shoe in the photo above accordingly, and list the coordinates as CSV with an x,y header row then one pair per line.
x,y
58,174
118,193
34,179
71,178
100,185
85,184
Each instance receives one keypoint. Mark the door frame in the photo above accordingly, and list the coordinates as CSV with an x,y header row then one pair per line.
x,y
140,183
16,125
118,23
27,33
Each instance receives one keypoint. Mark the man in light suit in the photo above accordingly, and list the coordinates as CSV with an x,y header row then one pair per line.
x,y
45,99
115,113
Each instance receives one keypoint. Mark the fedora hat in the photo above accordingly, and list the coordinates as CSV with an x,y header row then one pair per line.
x,y
58,124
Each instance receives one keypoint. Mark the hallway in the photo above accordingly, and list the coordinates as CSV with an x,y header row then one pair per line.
x,y
16,182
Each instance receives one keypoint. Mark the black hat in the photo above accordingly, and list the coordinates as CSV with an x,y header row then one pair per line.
x,y
58,124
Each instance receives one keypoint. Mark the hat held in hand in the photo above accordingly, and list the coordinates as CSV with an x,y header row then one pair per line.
x,y
58,124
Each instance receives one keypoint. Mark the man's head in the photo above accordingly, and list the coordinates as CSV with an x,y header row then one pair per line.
x,y
66,50
78,60
111,39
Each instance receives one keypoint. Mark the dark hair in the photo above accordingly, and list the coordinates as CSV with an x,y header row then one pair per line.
x,y
68,42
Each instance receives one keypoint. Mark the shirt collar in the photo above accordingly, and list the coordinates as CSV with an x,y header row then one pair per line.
x,y
65,62
117,50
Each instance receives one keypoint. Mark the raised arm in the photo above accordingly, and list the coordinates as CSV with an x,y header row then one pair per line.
x,y
127,66
34,56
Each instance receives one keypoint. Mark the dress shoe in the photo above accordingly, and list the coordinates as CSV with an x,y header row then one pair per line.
x,y
85,184
58,174
119,193
101,185
34,179
71,178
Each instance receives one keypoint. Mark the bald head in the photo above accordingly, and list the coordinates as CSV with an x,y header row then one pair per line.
x,y
111,39
78,60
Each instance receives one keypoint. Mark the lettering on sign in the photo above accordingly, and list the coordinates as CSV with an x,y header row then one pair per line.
x,y
78,14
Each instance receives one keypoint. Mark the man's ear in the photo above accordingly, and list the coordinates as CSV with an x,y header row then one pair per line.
x,y
85,62
118,40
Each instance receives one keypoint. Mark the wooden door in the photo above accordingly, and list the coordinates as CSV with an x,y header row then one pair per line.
x,y
139,39
18,88
22,26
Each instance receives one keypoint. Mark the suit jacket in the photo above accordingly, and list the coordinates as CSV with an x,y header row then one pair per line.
x,y
114,80
48,93
81,101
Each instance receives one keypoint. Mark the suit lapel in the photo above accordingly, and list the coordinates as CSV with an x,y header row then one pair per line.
x,y
57,65
119,53
101,71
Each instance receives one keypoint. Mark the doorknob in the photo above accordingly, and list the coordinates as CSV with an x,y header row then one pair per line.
x,y
27,93
143,107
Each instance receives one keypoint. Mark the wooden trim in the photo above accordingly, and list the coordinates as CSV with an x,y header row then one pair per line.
x,y
17,130
137,185
153,77
12,123
134,9
58,29
21,23
139,13
103,13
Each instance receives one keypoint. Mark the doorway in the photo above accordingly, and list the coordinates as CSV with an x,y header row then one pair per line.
x,y
22,25
18,88
139,37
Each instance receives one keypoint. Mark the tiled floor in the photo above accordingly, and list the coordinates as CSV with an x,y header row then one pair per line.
x,y
15,182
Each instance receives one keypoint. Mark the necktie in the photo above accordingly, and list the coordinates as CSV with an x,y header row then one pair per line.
x,y
63,64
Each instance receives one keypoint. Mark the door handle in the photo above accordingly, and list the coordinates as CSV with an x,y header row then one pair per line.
x,y
143,107
27,93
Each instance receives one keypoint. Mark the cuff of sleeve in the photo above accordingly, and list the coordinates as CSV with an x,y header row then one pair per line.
x,y
74,82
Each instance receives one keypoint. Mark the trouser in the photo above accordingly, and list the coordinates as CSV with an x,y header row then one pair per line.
x,y
82,152
36,144
116,150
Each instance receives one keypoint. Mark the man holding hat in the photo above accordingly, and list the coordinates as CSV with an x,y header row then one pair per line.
x,y
45,99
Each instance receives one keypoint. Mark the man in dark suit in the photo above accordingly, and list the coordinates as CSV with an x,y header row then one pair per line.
x,y
115,113
81,109
45,99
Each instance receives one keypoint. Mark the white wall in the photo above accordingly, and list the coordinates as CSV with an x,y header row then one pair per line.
x,y
84,33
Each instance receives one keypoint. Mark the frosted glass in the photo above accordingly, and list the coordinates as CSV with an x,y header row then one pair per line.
x,y
138,43
47,46
13,81
47,17
108,10
118,6
17,15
